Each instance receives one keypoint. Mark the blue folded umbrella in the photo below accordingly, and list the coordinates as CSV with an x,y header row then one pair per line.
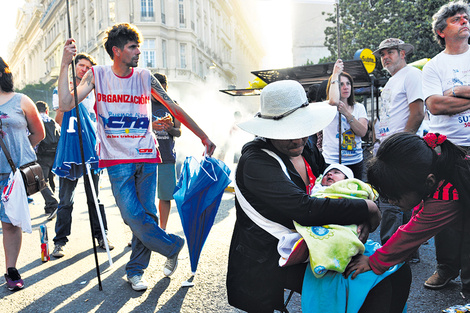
x,y
68,161
197,196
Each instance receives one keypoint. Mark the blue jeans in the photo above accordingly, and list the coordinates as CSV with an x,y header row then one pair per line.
x,y
392,218
64,213
134,186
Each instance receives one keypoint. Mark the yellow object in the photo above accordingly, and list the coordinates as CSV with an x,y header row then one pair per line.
x,y
420,63
368,58
257,83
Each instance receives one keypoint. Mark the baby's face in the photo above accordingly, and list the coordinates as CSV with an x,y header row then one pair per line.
x,y
332,177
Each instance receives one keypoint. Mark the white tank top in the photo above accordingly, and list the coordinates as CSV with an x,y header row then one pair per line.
x,y
123,108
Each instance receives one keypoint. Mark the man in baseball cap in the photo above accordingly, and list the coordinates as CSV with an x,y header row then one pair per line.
x,y
402,110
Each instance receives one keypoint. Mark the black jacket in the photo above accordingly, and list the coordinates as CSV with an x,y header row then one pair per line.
x,y
255,282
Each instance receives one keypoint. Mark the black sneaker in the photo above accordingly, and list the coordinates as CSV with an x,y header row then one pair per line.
x,y
13,278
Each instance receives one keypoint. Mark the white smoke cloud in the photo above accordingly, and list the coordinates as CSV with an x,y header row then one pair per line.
x,y
217,114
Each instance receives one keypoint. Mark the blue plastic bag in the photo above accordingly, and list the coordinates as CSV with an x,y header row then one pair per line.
x,y
197,196
68,161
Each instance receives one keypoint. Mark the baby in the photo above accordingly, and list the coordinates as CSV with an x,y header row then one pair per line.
x,y
332,174
333,245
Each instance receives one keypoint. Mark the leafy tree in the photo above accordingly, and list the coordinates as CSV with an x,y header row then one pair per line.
x,y
365,23
39,92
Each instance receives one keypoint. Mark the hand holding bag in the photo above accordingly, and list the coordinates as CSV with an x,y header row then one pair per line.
x,y
33,176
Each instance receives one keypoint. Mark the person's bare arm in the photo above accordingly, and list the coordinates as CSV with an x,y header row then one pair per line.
x,y
59,116
416,116
358,126
459,92
159,93
34,122
333,93
446,105
66,97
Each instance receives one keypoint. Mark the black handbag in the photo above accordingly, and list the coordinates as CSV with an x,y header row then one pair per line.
x,y
33,176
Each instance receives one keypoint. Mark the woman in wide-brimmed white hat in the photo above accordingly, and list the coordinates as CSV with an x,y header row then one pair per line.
x,y
274,177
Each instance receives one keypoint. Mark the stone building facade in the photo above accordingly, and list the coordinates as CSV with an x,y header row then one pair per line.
x,y
188,40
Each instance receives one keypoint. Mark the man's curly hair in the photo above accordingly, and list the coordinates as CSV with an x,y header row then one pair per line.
x,y
119,35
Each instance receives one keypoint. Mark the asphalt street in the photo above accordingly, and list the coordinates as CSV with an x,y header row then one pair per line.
x,y
70,284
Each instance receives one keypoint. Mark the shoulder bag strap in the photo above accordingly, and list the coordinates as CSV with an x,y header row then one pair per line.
x,y
7,155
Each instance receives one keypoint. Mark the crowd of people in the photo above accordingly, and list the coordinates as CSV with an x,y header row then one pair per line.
x,y
426,175
422,180
130,160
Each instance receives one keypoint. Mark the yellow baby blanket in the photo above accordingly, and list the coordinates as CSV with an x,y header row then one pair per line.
x,y
331,247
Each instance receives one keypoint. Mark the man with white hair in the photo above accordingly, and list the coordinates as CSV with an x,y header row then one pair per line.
x,y
273,179
446,88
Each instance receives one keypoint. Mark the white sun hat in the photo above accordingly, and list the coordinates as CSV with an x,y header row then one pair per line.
x,y
344,169
285,113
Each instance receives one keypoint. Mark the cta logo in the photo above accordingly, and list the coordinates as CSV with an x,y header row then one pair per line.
x,y
125,124
144,151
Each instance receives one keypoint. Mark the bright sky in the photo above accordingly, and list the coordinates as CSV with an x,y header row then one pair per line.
x,y
276,34
7,24
274,15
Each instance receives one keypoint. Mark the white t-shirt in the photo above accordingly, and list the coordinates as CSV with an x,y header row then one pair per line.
x,y
440,74
401,89
351,147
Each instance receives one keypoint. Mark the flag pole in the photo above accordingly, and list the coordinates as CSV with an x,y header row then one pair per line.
x,y
82,153
338,42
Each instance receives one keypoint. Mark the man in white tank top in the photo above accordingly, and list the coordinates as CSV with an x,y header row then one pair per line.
x,y
126,144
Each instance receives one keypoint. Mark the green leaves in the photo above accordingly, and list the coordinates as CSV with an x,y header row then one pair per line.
x,y
365,23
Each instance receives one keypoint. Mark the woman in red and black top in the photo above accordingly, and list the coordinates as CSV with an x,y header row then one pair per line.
x,y
428,174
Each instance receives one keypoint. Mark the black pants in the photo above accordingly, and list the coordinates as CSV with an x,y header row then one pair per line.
x,y
390,295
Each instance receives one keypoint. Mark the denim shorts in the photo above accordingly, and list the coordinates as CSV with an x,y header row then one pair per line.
x,y
166,181
3,183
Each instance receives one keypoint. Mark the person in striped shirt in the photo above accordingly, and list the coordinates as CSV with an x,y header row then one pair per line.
x,y
428,175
